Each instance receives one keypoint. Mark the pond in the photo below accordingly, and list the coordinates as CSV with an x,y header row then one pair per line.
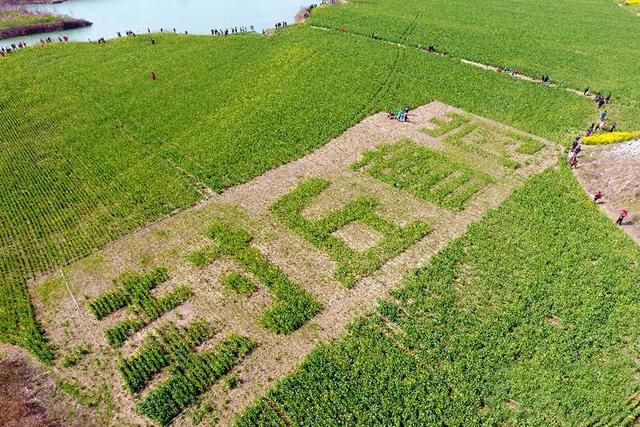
x,y
194,16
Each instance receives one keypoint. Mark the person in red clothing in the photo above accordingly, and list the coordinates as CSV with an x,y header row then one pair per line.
x,y
597,197
622,216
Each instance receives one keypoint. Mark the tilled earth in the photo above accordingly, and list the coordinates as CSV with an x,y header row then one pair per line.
x,y
615,171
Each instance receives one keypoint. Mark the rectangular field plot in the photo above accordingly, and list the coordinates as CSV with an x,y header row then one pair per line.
x,y
254,278
425,173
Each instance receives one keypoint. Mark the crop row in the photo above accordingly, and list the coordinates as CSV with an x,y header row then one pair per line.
x,y
161,348
153,309
17,322
293,305
423,172
352,265
489,33
193,374
134,291
64,193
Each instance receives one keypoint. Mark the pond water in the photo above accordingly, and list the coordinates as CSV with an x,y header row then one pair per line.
x,y
194,16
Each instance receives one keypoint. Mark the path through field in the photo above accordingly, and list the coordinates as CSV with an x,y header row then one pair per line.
x,y
494,69
488,148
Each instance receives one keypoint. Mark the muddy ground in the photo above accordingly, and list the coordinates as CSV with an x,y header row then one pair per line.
x,y
615,171
29,398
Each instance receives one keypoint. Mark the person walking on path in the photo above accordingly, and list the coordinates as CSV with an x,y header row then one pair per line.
x,y
597,197
575,144
572,159
622,216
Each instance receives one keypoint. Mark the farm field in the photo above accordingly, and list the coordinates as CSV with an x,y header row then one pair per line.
x,y
203,126
531,318
275,272
249,238
577,43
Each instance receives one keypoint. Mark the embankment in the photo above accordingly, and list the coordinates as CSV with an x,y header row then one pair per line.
x,y
45,27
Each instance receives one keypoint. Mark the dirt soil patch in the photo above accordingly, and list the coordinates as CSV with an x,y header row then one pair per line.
x,y
168,242
615,171
28,397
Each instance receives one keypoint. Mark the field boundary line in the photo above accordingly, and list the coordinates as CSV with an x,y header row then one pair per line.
x,y
465,61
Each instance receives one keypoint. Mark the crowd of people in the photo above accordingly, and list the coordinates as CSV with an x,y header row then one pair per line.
x,y
4,51
402,115
572,158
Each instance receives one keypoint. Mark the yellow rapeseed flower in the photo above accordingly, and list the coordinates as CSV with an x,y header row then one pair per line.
x,y
611,137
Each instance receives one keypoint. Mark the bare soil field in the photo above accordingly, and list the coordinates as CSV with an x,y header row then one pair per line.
x,y
168,243
615,171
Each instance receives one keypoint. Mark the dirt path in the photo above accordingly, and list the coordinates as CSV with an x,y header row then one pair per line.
x,y
615,171
168,242
491,68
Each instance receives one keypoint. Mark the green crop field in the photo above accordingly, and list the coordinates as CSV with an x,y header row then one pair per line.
x,y
87,157
527,317
531,318
578,43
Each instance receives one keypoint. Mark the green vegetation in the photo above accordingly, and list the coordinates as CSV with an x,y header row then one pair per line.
x,y
352,264
50,291
168,343
531,318
483,141
134,291
195,373
425,173
205,411
479,141
131,289
86,158
17,17
293,305
529,146
511,34
232,381
443,127
84,396
17,321
77,354
238,283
